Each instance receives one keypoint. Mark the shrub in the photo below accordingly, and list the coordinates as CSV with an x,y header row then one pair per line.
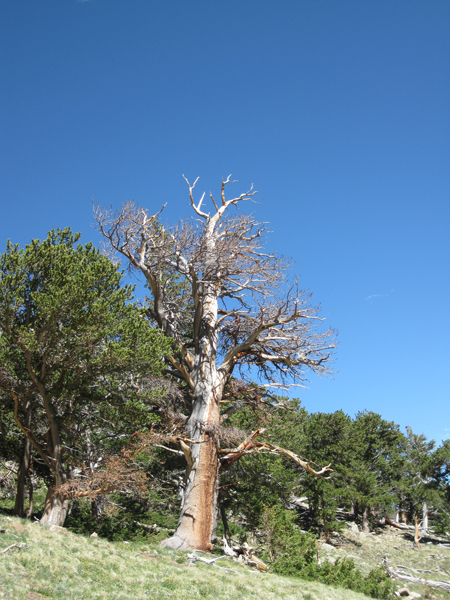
x,y
294,553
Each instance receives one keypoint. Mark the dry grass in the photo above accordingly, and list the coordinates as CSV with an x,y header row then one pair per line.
x,y
54,563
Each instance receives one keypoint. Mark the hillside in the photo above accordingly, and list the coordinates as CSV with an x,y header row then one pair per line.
x,y
55,563
431,562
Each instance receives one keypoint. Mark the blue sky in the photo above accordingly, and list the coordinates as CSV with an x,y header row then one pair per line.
x,y
338,112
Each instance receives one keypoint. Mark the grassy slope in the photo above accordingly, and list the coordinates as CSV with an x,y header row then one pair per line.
x,y
61,565
368,550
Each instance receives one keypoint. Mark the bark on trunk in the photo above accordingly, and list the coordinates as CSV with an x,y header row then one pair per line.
x,y
19,506
30,496
401,513
55,509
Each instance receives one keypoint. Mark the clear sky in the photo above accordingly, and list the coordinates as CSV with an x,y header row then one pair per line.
x,y
338,112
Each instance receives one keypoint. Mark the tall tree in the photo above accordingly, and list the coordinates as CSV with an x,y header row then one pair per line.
x,y
71,344
416,486
424,481
239,310
441,483
327,439
374,465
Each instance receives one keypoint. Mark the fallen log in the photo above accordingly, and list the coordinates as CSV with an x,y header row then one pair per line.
x,y
208,561
402,576
19,546
245,553
193,558
397,526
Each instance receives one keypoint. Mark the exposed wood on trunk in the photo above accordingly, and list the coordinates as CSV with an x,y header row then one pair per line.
x,y
425,516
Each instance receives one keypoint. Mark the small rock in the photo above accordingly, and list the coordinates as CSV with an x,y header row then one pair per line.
x,y
94,535
415,595
403,592
353,526
327,547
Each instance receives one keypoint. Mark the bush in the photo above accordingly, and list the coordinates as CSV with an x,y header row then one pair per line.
x,y
294,553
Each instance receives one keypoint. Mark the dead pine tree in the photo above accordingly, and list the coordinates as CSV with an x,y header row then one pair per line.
x,y
229,306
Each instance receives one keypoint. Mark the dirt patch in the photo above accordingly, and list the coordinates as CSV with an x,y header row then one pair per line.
x,y
20,528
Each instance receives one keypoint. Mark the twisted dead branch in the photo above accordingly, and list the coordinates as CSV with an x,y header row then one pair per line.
x,y
402,576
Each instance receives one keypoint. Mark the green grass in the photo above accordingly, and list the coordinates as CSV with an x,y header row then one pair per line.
x,y
55,563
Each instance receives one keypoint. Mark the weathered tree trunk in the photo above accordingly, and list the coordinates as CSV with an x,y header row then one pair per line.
x,y
198,516
365,520
19,506
401,512
55,508
425,516
30,496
